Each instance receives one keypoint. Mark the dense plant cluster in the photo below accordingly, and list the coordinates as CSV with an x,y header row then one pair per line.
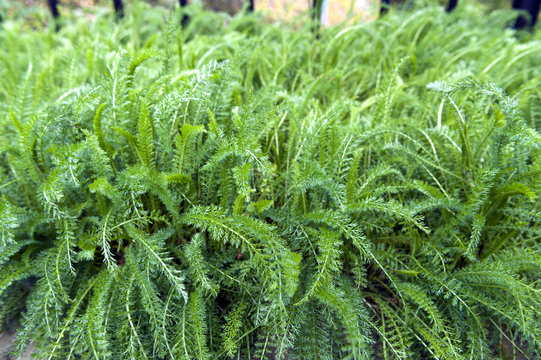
x,y
240,190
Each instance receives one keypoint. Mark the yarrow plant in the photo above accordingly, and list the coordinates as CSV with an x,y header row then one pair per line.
x,y
235,189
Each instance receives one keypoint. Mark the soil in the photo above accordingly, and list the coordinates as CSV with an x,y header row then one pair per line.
x,y
6,342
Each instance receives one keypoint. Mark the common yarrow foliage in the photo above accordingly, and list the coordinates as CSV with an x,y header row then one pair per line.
x,y
235,189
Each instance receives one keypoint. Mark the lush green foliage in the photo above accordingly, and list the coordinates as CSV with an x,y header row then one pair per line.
x,y
242,190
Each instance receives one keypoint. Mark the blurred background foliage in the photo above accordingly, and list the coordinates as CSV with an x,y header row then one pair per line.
x,y
37,9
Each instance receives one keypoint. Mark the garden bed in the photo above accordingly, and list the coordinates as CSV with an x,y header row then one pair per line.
x,y
237,189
